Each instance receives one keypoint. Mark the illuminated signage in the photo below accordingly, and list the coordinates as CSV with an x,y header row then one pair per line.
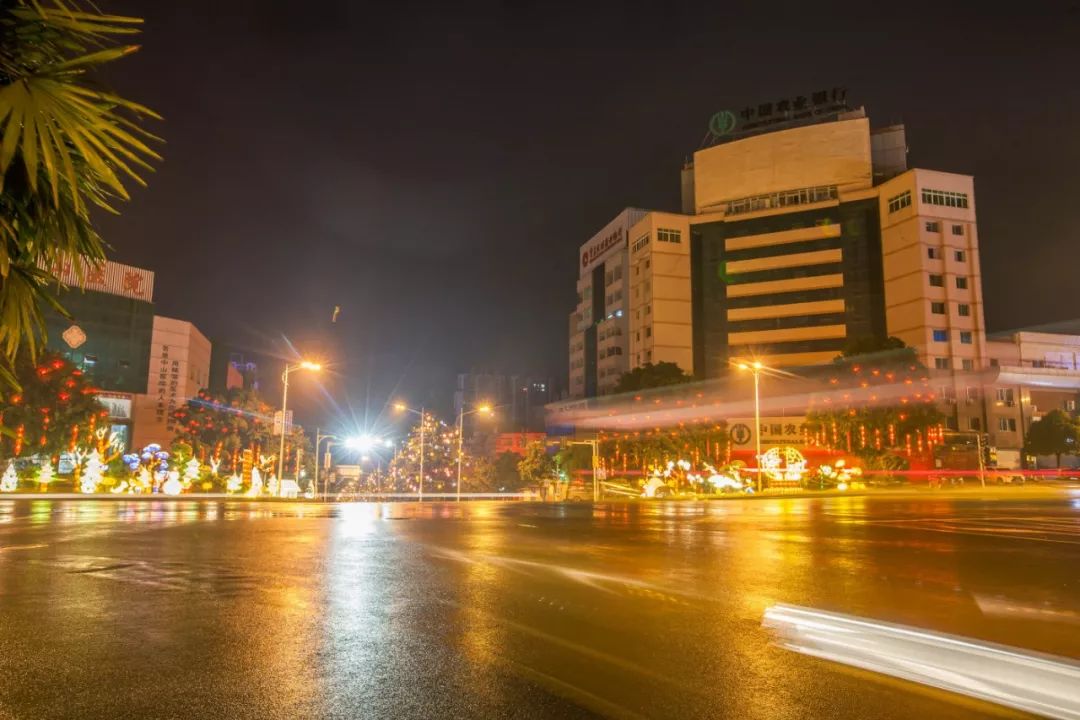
x,y
752,117
590,254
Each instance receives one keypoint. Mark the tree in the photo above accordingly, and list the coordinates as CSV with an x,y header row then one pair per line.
x,y
505,474
68,147
1055,433
879,398
55,407
440,458
536,465
649,375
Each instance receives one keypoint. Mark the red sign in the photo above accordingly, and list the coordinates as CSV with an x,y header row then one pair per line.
x,y
590,254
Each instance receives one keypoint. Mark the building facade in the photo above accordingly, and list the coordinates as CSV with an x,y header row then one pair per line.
x,y
179,369
599,326
108,334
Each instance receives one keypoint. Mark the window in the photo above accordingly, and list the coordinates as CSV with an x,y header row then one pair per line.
x,y
786,198
944,197
968,364
961,282
647,264
648,309
640,243
648,332
1005,395
89,360
938,308
1007,424
965,337
941,363
960,255
936,280
933,226
974,424
941,336
670,236
1070,405
957,229
964,309
609,278
899,202
933,253
972,394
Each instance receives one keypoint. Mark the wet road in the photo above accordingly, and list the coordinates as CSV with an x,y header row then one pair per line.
x,y
183,609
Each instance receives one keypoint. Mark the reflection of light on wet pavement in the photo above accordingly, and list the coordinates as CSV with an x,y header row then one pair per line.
x,y
1028,681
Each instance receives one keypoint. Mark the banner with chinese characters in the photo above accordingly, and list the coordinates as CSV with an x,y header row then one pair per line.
x,y
109,277
775,431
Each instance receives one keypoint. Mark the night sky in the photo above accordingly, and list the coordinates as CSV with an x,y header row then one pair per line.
x,y
432,169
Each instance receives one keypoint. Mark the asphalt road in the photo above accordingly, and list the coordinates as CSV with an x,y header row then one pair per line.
x,y
184,609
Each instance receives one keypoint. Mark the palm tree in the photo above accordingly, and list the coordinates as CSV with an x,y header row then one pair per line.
x,y
67,146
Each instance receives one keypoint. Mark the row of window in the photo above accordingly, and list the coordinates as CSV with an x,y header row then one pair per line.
x,y
788,198
939,281
962,309
943,336
613,297
1004,424
899,202
935,226
640,243
613,275
944,364
613,350
669,236
609,331
934,253
648,333
944,197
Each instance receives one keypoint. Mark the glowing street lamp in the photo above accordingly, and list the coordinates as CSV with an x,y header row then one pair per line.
x,y
302,365
755,368
402,407
483,409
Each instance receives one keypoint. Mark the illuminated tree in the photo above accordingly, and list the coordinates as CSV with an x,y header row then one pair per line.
x,y
879,399
69,147
92,471
54,409
440,458
10,481
218,427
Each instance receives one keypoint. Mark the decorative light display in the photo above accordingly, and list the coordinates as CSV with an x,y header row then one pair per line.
x,y
10,481
783,464
233,484
91,475
46,474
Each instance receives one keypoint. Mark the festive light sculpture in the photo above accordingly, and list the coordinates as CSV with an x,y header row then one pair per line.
x,y
10,481
91,476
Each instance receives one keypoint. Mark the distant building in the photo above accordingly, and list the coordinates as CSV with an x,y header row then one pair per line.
x,y
519,401
231,369
108,335
179,369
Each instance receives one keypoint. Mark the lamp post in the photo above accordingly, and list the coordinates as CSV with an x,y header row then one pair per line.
x,y
319,437
302,365
483,409
755,368
402,407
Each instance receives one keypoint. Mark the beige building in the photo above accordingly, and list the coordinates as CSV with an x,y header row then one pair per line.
x,y
660,319
179,368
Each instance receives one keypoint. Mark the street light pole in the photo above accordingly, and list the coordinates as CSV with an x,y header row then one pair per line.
x,y
284,412
302,365
319,437
420,486
484,409
755,369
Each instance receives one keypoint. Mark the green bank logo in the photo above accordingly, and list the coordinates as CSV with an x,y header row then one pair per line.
x,y
722,123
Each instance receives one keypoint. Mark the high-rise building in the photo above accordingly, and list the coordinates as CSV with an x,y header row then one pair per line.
x,y
519,401
108,334
599,343
179,368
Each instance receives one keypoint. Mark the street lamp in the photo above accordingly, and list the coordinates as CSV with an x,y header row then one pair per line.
x,y
319,437
483,409
755,368
302,365
402,407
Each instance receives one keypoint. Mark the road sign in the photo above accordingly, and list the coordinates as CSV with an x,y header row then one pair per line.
x,y
74,336
288,422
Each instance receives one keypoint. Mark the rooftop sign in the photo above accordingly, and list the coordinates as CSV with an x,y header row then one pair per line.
x,y
763,115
